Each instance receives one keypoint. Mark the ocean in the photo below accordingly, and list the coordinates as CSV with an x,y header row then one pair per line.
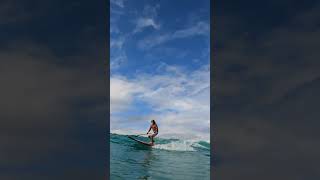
x,y
174,159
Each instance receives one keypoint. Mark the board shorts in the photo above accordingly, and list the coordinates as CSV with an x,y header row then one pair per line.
x,y
154,134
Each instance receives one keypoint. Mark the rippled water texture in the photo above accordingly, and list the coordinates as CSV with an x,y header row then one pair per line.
x,y
169,159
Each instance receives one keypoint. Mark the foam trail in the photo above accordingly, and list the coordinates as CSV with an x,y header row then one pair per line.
x,y
180,145
182,136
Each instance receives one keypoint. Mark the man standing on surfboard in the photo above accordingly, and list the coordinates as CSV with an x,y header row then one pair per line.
x,y
154,128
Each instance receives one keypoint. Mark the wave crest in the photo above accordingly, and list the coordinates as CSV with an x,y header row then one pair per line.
x,y
167,144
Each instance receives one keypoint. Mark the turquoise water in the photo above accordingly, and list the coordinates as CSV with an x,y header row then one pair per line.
x,y
168,159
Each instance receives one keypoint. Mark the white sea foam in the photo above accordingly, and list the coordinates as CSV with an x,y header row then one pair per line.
x,y
179,145
197,145
177,142
164,135
172,143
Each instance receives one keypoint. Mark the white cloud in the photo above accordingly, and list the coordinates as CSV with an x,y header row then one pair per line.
x,y
152,41
199,29
117,61
145,22
147,19
119,3
118,54
180,99
122,93
117,43
151,11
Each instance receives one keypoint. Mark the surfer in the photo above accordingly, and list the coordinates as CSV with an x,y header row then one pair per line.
x,y
154,128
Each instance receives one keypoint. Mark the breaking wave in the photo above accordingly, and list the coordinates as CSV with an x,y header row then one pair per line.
x,y
168,144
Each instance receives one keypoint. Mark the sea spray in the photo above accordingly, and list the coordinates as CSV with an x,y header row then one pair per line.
x,y
180,145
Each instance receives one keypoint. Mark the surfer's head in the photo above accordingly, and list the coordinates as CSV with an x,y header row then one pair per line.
x,y
153,121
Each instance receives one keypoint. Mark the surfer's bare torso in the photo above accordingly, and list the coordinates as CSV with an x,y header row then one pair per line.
x,y
155,130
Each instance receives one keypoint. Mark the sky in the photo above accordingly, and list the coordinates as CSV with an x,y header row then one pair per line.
x,y
160,66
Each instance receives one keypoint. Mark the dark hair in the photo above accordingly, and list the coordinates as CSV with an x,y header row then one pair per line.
x,y
153,121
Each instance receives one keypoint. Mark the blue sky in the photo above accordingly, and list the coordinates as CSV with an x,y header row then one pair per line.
x,y
159,63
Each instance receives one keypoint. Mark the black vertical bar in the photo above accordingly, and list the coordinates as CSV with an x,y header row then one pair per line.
x,y
212,94
107,81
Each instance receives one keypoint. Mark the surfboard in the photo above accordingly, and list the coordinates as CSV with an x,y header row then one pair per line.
x,y
144,143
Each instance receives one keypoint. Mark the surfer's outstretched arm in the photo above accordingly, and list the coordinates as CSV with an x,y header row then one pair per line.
x,y
149,130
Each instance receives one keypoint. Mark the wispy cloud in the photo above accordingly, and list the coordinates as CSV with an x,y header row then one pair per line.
x,y
145,22
147,19
118,54
165,52
117,43
152,41
117,61
199,29
151,11
119,3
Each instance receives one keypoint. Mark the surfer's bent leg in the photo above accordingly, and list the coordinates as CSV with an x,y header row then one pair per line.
x,y
152,136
